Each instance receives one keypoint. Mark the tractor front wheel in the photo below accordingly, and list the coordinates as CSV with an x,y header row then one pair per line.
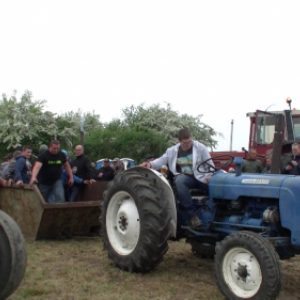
x,y
247,267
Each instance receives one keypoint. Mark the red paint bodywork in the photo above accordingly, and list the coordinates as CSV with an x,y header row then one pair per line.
x,y
261,148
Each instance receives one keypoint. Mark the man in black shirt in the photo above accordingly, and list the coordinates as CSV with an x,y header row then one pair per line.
x,y
48,166
106,173
81,167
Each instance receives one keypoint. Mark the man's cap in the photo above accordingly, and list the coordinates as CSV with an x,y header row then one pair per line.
x,y
64,152
150,156
116,159
106,159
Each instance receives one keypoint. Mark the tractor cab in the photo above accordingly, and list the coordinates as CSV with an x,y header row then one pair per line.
x,y
262,129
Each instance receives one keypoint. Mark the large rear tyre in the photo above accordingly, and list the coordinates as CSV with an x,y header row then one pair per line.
x,y
135,222
12,256
247,267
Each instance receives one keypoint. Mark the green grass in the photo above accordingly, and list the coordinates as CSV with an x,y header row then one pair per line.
x,y
78,269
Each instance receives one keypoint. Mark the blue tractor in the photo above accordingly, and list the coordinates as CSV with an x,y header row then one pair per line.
x,y
250,222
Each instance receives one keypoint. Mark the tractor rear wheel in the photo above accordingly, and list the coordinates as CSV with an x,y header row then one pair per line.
x,y
12,256
135,222
247,267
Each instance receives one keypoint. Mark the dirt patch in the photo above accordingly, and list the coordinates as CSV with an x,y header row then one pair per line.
x,y
79,269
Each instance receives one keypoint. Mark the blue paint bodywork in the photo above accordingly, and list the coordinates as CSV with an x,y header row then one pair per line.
x,y
285,188
244,201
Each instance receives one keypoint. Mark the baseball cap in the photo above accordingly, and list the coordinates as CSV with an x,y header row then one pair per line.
x,y
116,159
106,159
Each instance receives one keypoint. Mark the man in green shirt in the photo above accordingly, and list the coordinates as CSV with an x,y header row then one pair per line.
x,y
251,163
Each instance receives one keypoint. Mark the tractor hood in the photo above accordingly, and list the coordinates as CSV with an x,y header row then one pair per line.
x,y
285,188
229,186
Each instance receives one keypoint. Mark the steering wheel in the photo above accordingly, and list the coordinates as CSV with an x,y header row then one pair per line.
x,y
210,166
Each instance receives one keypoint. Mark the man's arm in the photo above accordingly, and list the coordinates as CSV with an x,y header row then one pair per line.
x,y
35,172
157,163
11,170
99,174
204,156
5,183
69,172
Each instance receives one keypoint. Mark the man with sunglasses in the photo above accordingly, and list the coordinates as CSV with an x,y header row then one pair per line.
x,y
183,160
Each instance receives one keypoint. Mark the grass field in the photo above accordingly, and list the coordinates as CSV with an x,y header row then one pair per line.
x,y
78,269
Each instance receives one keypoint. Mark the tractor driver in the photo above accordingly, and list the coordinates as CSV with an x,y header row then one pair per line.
x,y
183,159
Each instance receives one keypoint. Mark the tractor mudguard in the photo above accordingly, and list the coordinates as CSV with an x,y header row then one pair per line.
x,y
167,194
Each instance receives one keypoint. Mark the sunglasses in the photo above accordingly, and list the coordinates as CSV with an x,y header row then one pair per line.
x,y
186,143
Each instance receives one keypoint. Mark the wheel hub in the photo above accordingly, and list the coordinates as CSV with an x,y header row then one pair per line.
x,y
122,223
242,272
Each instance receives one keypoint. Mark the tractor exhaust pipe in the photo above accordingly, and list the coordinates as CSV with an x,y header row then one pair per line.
x,y
231,134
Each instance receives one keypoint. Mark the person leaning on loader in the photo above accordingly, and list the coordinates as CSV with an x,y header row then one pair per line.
x,y
48,165
81,167
21,170
251,163
106,173
183,160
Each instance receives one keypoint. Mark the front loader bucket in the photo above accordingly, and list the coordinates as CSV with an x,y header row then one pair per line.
x,y
40,220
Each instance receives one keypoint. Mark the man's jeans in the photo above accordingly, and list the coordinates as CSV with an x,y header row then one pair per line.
x,y
53,193
183,184
74,191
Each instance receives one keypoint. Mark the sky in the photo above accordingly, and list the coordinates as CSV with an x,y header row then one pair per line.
x,y
219,59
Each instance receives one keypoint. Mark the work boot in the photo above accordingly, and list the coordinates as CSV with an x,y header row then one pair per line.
x,y
195,223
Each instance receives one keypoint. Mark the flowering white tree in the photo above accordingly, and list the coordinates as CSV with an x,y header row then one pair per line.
x,y
168,122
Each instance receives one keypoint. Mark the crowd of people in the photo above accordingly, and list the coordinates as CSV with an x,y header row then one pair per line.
x,y
254,165
59,178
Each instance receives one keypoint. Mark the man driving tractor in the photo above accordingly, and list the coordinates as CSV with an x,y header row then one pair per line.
x,y
183,160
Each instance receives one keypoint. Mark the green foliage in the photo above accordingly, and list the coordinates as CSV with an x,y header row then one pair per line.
x,y
69,125
168,122
142,131
119,141
24,122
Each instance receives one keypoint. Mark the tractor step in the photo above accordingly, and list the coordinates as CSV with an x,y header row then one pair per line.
x,y
203,232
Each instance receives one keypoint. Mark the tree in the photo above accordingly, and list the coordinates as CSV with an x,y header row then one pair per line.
x,y
168,122
24,121
117,140
69,125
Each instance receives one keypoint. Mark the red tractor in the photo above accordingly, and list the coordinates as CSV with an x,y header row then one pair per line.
x,y
263,137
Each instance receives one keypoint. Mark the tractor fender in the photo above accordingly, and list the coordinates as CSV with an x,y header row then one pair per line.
x,y
167,194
